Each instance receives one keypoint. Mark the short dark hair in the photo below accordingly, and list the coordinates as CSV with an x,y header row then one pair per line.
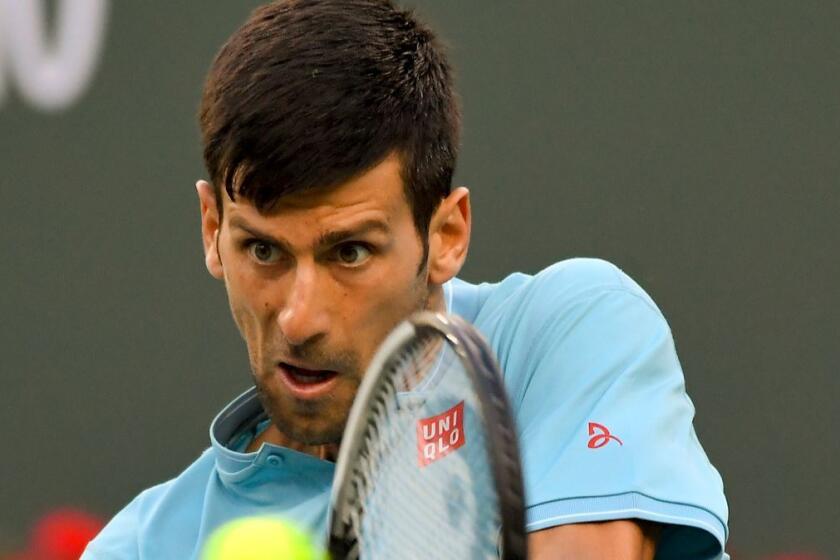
x,y
311,93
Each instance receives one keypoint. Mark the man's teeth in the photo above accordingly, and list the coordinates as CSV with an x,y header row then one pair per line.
x,y
310,373
307,374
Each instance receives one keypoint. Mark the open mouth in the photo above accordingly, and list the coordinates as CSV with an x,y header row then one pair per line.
x,y
306,383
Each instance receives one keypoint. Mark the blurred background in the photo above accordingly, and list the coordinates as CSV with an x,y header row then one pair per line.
x,y
695,145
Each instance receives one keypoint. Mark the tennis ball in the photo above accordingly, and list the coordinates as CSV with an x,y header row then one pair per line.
x,y
261,538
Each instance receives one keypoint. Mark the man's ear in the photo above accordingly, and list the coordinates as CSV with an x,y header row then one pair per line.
x,y
449,236
210,227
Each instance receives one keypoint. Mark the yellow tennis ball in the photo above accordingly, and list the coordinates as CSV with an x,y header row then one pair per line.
x,y
260,538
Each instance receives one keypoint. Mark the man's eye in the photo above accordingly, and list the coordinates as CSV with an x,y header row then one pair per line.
x,y
353,254
263,252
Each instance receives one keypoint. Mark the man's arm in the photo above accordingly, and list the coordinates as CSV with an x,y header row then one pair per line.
x,y
626,539
604,422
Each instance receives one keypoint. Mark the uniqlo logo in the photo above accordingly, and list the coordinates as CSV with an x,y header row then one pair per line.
x,y
440,435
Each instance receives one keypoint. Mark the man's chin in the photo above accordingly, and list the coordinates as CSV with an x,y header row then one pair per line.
x,y
304,422
304,433
307,423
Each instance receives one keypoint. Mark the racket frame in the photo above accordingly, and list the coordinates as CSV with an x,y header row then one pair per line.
x,y
485,376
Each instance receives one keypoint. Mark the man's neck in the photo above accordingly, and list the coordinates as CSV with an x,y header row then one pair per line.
x,y
326,452
436,300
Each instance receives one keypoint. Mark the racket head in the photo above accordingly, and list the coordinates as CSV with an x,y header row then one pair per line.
x,y
439,346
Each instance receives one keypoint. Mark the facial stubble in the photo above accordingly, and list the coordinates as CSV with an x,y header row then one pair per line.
x,y
300,420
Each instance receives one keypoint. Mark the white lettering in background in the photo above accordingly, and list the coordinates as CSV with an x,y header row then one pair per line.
x,y
51,73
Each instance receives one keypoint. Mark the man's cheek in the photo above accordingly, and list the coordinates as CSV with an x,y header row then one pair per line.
x,y
248,326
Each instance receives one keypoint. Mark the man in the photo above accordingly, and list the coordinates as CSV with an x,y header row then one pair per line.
x,y
330,134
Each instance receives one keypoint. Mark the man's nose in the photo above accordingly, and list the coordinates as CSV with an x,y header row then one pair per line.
x,y
304,316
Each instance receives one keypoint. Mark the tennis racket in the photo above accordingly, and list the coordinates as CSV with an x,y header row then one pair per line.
x,y
429,464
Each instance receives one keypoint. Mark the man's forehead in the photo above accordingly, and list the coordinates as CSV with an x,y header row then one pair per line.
x,y
306,220
379,188
373,201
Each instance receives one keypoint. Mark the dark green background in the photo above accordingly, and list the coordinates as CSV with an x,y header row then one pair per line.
x,y
693,144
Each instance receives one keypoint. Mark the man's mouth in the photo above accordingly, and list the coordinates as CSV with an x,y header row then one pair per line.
x,y
306,383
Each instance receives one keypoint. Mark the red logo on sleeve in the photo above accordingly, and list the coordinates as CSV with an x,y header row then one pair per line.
x,y
601,436
440,435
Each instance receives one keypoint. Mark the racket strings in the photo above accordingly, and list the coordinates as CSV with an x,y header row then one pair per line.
x,y
400,509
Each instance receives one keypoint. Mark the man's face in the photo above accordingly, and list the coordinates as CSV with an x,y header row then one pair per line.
x,y
315,286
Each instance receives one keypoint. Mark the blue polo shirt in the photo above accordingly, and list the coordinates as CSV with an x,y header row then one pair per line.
x,y
604,422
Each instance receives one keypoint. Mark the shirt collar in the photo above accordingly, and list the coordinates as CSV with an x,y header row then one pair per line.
x,y
242,415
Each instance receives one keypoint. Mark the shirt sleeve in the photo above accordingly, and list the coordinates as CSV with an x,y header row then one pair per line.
x,y
604,420
118,540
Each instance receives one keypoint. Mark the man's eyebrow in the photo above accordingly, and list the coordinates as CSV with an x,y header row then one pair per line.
x,y
327,239
238,222
337,236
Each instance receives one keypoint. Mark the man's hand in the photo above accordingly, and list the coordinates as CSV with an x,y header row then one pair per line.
x,y
627,539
